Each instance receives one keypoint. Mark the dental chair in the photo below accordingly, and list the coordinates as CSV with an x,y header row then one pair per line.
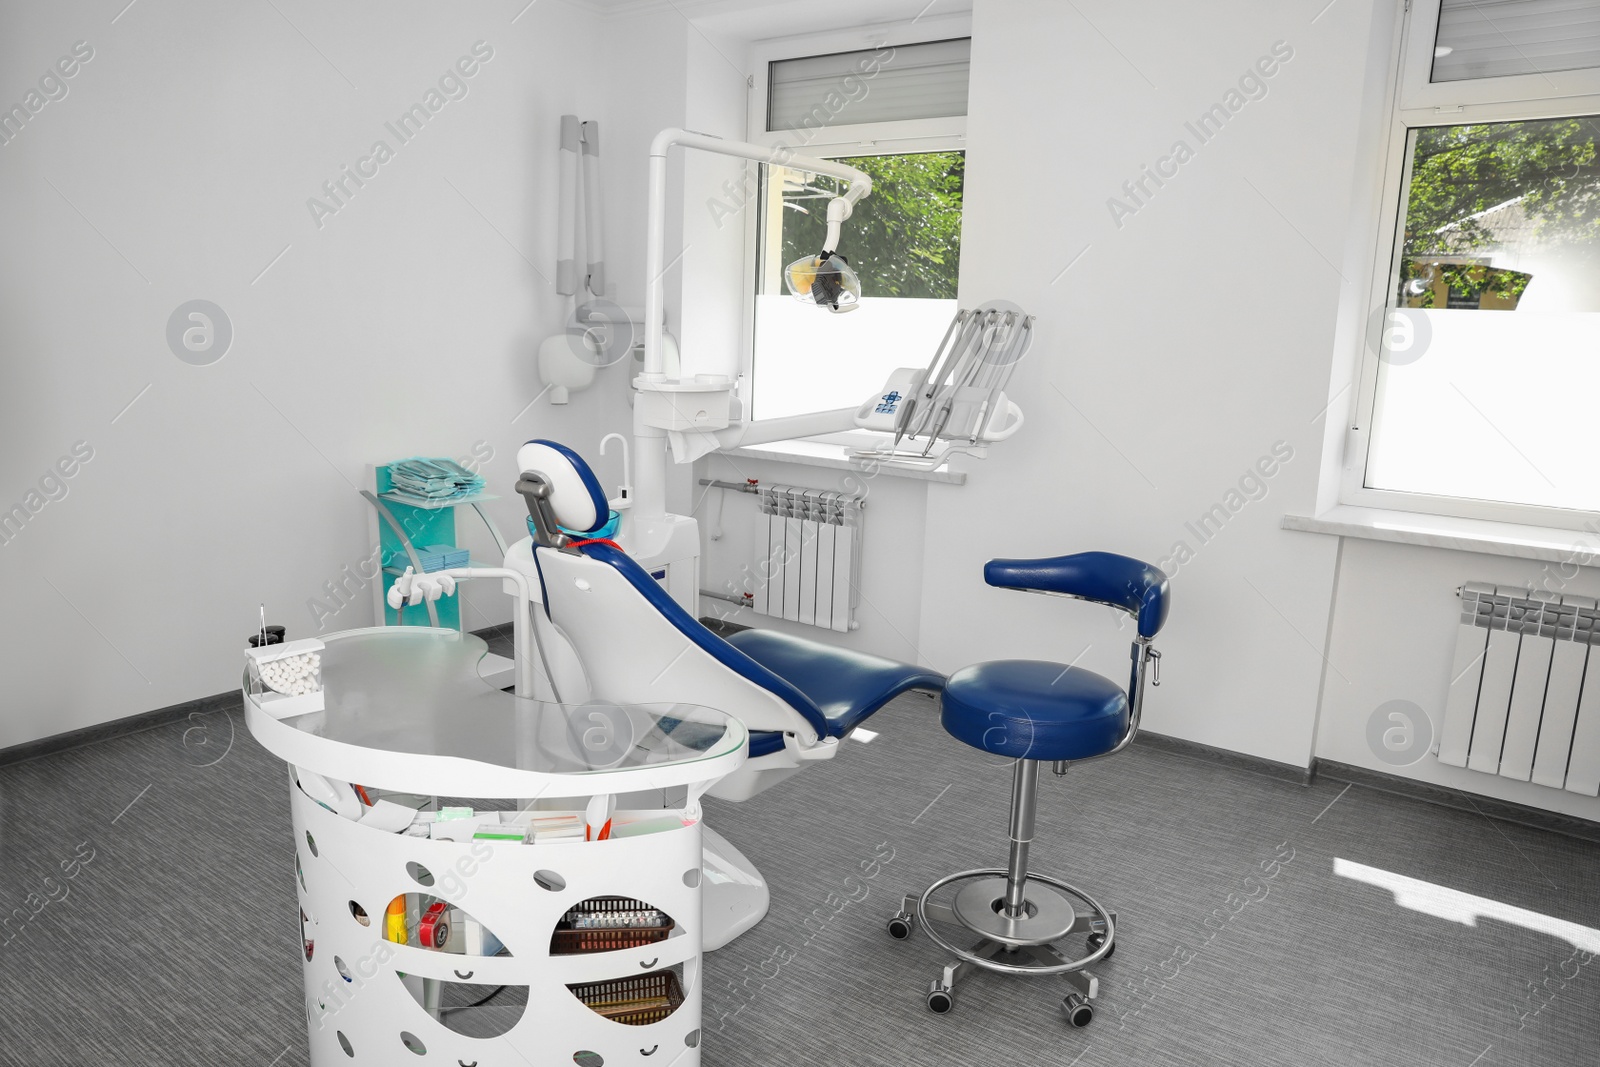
x,y
608,631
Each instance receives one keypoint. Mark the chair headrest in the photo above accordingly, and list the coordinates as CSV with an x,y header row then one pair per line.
x,y
575,494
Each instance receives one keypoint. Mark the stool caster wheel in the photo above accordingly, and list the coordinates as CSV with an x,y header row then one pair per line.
x,y
900,924
1080,1012
1096,940
941,998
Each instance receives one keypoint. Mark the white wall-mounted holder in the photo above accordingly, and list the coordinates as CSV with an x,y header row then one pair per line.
x,y
598,333
444,732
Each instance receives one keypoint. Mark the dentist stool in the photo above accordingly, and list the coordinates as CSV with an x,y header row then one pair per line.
x,y
1037,712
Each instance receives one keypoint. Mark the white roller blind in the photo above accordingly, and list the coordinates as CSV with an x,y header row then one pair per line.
x,y
915,81
1496,38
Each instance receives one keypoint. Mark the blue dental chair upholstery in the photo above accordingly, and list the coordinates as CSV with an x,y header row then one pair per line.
x,y
836,689
845,686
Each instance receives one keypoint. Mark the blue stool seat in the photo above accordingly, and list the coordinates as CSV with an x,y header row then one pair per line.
x,y
1031,709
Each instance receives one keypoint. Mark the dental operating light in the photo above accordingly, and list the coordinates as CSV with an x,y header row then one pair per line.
x,y
826,280
858,183
698,411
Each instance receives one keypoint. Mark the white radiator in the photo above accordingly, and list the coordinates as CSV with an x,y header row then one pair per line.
x,y
810,546
1525,691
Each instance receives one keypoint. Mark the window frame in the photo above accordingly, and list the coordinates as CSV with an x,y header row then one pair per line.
x,y
901,137
1416,91
1413,104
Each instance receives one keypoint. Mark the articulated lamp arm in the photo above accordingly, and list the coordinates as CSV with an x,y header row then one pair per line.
x,y
649,453
839,209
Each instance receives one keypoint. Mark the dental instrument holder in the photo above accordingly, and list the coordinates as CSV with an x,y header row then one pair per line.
x,y
958,402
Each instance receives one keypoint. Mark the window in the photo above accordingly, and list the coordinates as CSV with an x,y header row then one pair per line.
x,y
897,113
1496,38
904,241
921,81
1483,348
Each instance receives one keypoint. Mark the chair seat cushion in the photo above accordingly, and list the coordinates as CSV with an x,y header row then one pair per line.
x,y
1031,709
847,686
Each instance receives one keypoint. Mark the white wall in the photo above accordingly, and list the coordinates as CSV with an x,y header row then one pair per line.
x,y
1393,638
713,244
1393,626
1183,346
177,167
1177,350
646,84
1204,335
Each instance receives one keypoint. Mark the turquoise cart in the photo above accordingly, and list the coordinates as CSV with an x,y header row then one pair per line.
x,y
404,525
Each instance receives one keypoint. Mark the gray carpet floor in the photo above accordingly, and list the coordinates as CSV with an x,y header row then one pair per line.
x,y
148,881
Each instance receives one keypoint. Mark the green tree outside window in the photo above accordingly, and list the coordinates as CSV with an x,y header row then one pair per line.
x,y
905,239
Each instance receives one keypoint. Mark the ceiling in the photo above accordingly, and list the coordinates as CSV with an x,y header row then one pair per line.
x,y
754,20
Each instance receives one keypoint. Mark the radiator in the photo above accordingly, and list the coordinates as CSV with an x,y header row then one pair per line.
x,y
1525,691
809,542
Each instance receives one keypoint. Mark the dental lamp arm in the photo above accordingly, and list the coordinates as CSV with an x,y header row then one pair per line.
x,y
649,453
765,431
839,209
655,243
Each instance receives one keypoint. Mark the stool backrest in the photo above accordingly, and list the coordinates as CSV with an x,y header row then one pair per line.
x,y
1121,582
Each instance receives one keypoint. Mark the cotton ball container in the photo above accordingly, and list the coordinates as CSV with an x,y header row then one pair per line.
x,y
293,675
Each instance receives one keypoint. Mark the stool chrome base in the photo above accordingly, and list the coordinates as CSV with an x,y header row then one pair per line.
x,y
980,907
1024,946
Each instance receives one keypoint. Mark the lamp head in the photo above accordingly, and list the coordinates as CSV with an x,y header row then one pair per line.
x,y
824,280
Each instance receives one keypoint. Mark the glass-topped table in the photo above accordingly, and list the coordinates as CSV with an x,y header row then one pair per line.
x,y
409,935
405,708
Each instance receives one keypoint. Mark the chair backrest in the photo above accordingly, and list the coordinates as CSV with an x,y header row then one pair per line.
x,y
636,644
1102,577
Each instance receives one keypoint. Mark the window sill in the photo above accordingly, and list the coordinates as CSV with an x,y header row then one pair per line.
x,y
1441,531
820,454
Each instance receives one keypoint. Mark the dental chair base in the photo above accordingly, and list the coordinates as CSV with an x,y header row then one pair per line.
x,y
734,896
1033,712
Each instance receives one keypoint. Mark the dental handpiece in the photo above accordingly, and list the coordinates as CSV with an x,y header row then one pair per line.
x,y
934,388
907,413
